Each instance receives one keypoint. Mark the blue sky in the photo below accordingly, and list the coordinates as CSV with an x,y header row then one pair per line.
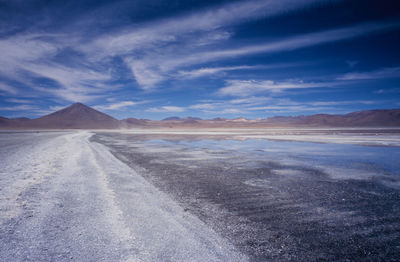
x,y
153,59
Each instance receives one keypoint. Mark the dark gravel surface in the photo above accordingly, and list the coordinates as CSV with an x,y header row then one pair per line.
x,y
269,208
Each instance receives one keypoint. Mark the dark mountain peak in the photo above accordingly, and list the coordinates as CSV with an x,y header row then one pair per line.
x,y
75,107
78,116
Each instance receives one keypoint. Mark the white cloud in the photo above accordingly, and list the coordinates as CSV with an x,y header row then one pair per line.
x,y
287,105
211,71
252,87
71,94
18,101
154,50
76,84
144,36
212,38
26,57
158,65
246,105
8,89
389,72
338,103
292,43
117,106
251,100
232,111
166,109
203,106
20,49
299,108
145,76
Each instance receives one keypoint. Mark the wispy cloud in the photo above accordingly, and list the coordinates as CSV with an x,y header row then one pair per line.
x,y
252,87
288,44
118,105
244,106
144,36
205,106
145,47
8,89
212,70
18,101
26,58
146,76
340,103
285,105
290,108
82,61
235,111
153,50
207,71
252,100
390,72
159,65
166,109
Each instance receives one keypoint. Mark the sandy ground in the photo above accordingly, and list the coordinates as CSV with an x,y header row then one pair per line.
x,y
63,198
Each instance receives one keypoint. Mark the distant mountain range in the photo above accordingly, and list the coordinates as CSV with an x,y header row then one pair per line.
x,y
80,116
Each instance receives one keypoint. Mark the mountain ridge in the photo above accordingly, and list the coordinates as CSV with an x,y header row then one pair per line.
x,y
80,116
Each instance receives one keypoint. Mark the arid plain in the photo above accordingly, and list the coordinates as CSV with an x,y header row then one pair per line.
x,y
196,195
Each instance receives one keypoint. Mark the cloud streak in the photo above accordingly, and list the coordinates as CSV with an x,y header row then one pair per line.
x,y
245,88
158,67
166,109
205,71
390,72
8,89
118,105
171,29
288,44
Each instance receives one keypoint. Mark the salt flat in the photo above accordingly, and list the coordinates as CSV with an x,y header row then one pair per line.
x,y
200,195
